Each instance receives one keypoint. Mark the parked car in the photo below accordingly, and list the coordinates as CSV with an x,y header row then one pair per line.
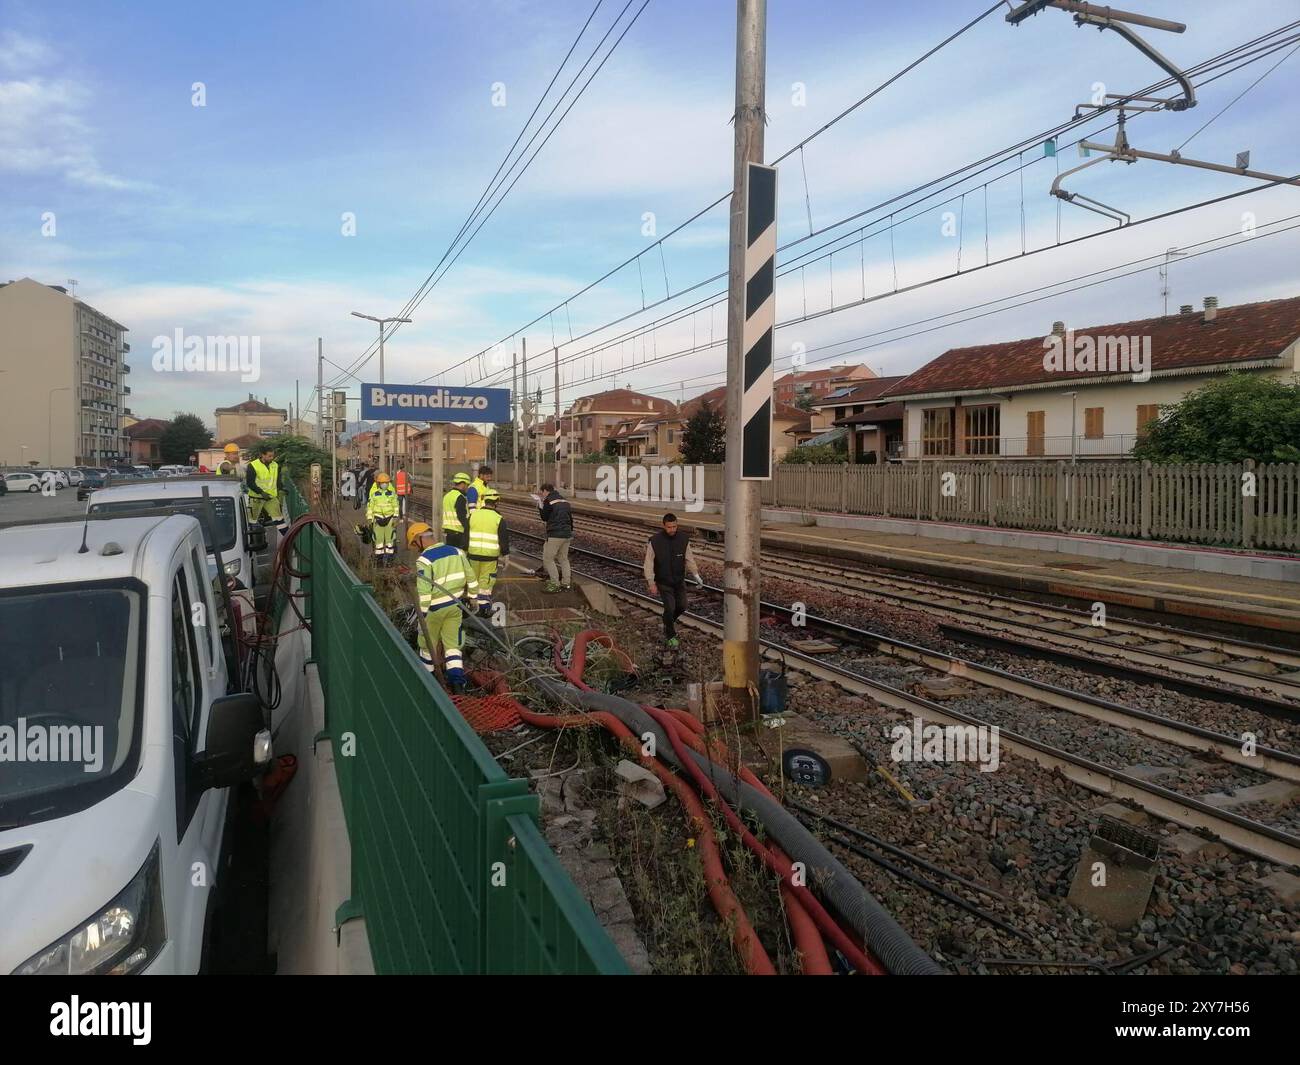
x,y
22,482
58,476
245,553
144,471
90,481
73,475
101,845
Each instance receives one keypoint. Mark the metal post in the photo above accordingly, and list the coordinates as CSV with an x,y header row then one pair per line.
x,y
741,575
320,393
573,486
557,415
383,423
514,416
523,359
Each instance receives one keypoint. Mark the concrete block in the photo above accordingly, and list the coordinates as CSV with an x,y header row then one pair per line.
x,y
1279,792
1122,813
800,733
1190,845
1112,883
639,784
1285,885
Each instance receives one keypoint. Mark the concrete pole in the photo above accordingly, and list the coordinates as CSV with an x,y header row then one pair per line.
x,y
383,425
320,394
334,455
514,417
557,415
437,474
523,359
740,655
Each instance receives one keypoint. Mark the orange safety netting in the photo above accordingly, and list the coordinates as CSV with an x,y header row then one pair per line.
x,y
487,713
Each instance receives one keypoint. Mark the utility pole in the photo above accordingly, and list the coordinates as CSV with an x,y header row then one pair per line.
x,y
320,392
557,414
383,424
740,655
297,402
514,414
523,358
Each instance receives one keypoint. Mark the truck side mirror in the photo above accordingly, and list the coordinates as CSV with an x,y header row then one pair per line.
x,y
238,743
257,537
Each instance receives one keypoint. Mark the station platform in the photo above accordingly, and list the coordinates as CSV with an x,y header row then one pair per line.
x,y
1227,588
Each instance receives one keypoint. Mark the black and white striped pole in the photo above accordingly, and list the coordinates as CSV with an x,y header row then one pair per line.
x,y
750,317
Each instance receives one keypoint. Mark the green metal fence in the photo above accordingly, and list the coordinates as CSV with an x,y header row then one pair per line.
x,y
449,867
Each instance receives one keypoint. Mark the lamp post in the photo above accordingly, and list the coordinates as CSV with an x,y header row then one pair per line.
x,y
49,425
382,423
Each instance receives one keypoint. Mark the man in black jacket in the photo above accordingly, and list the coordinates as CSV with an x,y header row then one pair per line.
x,y
668,556
558,515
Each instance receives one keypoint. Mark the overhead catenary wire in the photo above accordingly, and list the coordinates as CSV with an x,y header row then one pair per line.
x,y
987,163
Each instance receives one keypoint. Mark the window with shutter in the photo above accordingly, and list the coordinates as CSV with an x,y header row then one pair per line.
x,y
1094,423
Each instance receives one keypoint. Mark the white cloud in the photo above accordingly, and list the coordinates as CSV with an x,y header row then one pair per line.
x,y
19,52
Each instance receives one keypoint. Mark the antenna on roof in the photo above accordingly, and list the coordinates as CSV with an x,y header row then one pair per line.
x,y
84,530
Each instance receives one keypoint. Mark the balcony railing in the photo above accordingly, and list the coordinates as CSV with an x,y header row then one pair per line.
x,y
1020,447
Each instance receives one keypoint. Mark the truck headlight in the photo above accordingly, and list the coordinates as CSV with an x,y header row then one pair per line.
x,y
122,938
231,568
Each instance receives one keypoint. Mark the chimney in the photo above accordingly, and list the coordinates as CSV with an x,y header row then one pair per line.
x,y
1058,329
1211,308
1186,308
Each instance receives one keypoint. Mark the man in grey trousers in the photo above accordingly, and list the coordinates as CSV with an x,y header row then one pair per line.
x,y
558,515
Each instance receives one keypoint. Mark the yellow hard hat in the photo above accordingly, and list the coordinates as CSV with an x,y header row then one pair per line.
x,y
413,534
460,478
231,449
491,495
381,478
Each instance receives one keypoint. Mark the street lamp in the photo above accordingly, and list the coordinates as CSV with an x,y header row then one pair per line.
x,y
49,425
382,423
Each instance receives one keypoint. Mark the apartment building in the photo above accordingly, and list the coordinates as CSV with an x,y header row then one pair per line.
x,y
64,382
816,384
460,443
1020,400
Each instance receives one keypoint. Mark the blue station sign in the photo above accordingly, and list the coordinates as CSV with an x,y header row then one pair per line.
x,y
434,403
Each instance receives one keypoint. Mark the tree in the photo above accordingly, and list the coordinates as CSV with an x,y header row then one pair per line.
x,y
704,440
611,448
501,442
295,454
1238,417
817,455
182,438
805,402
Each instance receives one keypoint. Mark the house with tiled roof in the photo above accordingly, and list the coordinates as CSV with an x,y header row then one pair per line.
x,y
861,415
460,443
589,421
1088,392
144,439
816,384
253,417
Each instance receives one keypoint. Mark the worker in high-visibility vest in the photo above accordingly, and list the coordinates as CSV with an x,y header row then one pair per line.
x,y
443,576
489,546
229,466
402,483
478,488
455,513
265,496
381,513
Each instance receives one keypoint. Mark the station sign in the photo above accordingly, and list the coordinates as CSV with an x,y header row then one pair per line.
x,y
434,403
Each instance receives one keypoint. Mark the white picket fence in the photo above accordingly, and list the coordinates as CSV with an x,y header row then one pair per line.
x,y
1234,504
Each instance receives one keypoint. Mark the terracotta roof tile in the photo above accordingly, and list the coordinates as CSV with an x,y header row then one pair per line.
x,y
1242,333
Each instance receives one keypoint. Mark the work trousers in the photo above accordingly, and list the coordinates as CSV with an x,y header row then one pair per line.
x,y
444,628
485,572
384,536
455,539
555,557
673,597
272,508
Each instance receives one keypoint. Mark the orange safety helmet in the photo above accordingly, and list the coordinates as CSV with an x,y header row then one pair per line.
x,y
231,449
381,478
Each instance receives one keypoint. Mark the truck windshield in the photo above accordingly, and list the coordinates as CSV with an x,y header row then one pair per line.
x,y
71,665
223,506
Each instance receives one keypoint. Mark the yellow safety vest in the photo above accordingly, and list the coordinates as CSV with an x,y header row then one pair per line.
x,y
483,542
228,468
443,575
382,502
450,519
479,488
267,477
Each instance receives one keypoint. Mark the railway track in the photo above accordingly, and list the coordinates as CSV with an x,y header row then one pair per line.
x,y
1243,833
1204,665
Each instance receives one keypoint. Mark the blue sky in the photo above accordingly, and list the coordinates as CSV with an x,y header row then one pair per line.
x,y
226,219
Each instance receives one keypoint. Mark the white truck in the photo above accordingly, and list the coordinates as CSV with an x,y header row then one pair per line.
x,y
245,555
120,742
